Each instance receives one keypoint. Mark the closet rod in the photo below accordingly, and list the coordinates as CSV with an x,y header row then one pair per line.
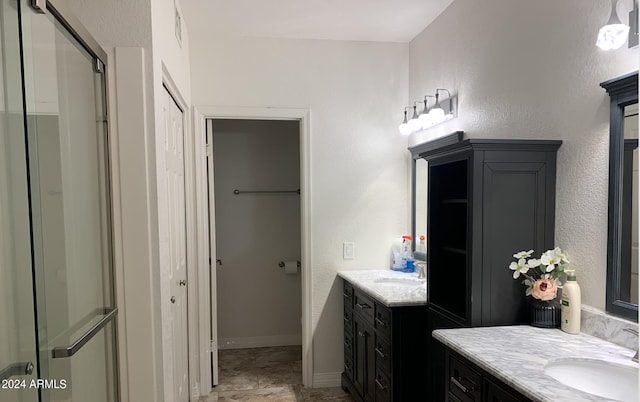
x,y
236,191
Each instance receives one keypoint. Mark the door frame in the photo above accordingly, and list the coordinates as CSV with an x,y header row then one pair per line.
x,y
303,116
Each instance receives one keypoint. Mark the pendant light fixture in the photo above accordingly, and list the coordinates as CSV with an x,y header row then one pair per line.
x,y
404,127
613,35
425,119
415,122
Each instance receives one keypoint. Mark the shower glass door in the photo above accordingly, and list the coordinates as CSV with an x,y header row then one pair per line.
x,y
18,355
70,210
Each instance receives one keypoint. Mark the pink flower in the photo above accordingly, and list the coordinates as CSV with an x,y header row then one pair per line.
x,y
544,289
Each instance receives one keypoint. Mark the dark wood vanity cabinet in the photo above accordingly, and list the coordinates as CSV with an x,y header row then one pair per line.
x,y
466,382
384,349
488,199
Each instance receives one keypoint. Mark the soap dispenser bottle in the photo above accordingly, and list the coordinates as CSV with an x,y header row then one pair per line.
x,y
570,305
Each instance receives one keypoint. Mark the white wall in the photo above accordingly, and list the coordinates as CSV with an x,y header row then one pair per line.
x,y
359,164
530,69
258,304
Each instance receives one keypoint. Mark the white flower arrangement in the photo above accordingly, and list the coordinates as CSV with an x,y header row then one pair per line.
x,y
541,275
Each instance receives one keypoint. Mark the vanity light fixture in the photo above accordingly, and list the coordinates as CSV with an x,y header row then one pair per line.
x,y
613,35
404,127
441,112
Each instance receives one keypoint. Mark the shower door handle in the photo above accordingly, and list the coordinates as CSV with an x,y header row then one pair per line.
x,y
16,369
68,351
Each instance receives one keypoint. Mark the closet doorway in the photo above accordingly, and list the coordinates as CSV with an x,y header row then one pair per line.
x,y
255,227
256,204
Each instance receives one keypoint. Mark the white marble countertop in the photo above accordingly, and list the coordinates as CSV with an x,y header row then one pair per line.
x,y
517,355
389,294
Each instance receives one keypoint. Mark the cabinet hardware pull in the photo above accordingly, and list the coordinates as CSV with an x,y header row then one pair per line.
x,y
347,366
380,353
379,384
362,334
347,343
379,321
363,305
458,383
345,294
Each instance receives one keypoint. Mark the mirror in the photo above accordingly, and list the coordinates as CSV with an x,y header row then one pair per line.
x,y
630,206
622,240
420,188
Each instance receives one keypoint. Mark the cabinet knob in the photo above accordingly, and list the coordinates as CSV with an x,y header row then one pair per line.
x,y
173,299
362,334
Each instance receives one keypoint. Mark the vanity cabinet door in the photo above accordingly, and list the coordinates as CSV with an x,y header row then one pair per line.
x,y
364,359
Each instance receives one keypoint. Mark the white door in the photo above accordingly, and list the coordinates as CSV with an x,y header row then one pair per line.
x,y
212,255
177,278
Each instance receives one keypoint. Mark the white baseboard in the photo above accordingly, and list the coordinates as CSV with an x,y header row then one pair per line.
x,y
259,341
323,380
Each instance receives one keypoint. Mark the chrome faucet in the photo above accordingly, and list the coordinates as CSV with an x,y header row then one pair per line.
x,y
422,269
635,332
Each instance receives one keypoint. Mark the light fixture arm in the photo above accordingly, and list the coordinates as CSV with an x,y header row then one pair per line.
x,y
441,89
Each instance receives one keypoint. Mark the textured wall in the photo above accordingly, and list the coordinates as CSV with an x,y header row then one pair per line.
x,y
530,69
359,164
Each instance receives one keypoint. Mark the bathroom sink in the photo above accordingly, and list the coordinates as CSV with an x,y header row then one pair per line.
x,y
399,281
605,379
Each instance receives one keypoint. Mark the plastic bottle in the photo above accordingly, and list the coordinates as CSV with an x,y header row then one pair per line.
x,y
396,254
422,244
407,255
570,305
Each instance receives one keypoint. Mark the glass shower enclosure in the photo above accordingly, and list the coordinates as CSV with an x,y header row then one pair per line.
x,y
57,302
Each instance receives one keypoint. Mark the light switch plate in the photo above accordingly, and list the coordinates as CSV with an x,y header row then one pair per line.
x,y
348,250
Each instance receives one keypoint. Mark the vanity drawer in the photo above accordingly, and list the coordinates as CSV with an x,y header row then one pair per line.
x,y
383,386
383,353
347,293
348,344
382,321
464,382
363,305
348,367
348,319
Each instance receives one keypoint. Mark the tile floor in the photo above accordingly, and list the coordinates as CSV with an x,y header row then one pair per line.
x,y
269,375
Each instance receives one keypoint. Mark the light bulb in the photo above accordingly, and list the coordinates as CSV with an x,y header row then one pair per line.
x,y
612,36
426,120
405,129
437,115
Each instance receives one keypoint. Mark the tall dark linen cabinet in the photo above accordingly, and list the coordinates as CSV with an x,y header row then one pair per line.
x,y
488,199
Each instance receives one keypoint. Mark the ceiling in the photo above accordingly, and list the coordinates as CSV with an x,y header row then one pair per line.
x,y
359,20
